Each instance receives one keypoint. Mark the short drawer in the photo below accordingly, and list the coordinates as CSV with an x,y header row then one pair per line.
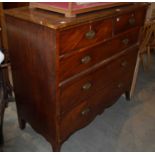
x,y
80,61
129,20
83,87
85,35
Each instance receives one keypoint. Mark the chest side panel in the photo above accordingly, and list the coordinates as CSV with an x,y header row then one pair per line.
x,y
33,58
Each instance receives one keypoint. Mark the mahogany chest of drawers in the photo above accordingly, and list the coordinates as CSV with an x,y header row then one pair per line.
x,y
66,71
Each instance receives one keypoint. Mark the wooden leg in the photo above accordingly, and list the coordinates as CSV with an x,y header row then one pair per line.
x,y
127,95
22,123
1,123
133,85
56,147
148,57
143,62
1,133
1,148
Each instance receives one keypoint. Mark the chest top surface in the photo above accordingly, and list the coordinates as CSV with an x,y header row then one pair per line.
x,y
59,21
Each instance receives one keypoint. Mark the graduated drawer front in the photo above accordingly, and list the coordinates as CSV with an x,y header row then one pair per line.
x,y
80,61
87,109
84,86
85,35
75,120
129,20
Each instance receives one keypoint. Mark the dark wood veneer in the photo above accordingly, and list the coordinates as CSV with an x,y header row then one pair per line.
x,y
34,74
97,53
124,65
94,104
64,76
102,31
129,20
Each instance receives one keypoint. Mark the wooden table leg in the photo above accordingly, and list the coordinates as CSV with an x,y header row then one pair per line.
x,y
2,109
1,131
135,77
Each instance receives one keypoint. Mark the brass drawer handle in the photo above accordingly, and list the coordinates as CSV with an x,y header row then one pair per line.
x,y
125,41
87,86
132,21
124,63
90,34
85,111
86,59
120,85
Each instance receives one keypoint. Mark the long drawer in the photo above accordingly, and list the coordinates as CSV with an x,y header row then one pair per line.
x,y
80,61
84,86
88,108
85,35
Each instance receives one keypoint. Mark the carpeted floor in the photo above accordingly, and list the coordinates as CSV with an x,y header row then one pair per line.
x,y
126,126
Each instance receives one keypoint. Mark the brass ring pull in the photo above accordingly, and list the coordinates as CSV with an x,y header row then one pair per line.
x,y
90,34
85,111
86,59
124,63
125,41
87,86
132,21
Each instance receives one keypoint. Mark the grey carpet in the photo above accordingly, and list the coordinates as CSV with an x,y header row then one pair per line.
x,y
126,126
